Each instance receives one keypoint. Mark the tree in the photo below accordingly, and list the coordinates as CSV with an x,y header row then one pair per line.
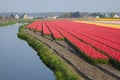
x,y
101,15
0,17
11,16
66,15
112,15
71,15
75,14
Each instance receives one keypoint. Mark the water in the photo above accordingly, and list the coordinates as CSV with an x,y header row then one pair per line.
x,y
18,61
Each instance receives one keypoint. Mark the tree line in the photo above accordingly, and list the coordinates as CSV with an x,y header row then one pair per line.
x,y
80,15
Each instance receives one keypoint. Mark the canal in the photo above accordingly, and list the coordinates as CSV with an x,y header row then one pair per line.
x,y
18,61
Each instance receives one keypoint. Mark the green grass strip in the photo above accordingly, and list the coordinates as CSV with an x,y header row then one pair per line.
x,y
5,23
10,22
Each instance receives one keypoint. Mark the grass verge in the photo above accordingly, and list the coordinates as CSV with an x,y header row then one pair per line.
x,y
5,23
9,22
61,70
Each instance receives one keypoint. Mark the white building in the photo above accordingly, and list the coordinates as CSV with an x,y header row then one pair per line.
x,y
52,17
116,16
25,16
97,17
17,17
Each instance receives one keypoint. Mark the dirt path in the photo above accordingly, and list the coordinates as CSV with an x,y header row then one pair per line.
x,y
86,70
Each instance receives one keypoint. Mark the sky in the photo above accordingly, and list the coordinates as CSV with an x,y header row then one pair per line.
x,y
38,6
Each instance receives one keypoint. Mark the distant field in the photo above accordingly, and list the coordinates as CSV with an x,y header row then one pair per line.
x,y
113,24
106,19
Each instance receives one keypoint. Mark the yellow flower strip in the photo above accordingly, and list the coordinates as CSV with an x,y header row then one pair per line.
x,y
102,24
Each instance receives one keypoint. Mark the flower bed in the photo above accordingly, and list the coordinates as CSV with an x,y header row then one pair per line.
x,y
95,43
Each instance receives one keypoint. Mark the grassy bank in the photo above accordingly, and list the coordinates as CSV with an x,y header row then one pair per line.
x,y
9,22
5,23
61,70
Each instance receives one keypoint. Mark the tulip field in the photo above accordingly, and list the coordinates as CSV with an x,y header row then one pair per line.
x,y
96,43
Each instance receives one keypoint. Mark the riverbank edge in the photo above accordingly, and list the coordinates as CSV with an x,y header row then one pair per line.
x,y
6,23
61,71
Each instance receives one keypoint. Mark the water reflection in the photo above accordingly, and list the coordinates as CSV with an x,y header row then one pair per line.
x,y
17,60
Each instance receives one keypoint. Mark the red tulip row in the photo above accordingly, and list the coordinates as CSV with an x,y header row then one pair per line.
x,y
93,37
33,25
110,34
39,27
46,31
46,28
114,54
87,50
90,39
54,32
